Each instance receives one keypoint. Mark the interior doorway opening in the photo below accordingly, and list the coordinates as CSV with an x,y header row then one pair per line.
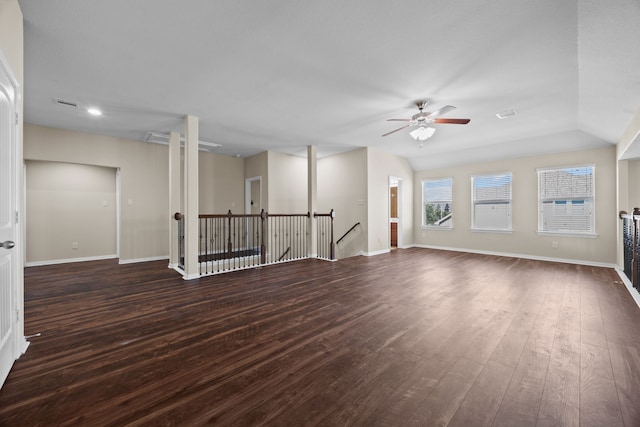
x,y
395,215
253,195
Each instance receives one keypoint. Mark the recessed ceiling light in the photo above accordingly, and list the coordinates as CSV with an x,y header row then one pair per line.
x,y
94,111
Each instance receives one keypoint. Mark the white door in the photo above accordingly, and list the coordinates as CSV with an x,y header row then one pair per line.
x,y
9,256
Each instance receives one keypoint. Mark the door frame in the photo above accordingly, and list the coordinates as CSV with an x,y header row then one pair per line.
x,y
395,181
247,193
19,345
118,212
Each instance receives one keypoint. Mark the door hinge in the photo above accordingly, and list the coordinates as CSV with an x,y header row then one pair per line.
x,y
17,314
17,121
17,217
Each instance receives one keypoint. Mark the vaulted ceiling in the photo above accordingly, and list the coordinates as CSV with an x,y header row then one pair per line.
x,y
284,74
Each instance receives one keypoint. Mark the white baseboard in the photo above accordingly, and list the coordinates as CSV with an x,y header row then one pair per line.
x,y
523,256
136,260
24,346
632,291
374,253
68,260
190,276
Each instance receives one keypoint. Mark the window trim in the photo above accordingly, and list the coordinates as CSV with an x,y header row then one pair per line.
x,y
568,233
423,221
473,227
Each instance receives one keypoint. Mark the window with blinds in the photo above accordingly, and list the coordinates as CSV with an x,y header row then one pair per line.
x,y
491,202
437,203
566,200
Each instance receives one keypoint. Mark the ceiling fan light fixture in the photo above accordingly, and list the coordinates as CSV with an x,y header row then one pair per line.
x,y
422,133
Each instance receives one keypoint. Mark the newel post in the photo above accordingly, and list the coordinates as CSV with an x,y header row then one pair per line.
x,y
191,214
332,245
263,248
229,244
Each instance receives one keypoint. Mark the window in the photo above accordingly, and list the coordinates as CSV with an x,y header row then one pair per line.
x,y
566,200
491,202
437,202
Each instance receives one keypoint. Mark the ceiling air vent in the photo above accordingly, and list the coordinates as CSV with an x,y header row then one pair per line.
x,y
506,114
65,103
163,138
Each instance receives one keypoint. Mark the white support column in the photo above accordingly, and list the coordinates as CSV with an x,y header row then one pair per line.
x,y
312,199
175,196
191,222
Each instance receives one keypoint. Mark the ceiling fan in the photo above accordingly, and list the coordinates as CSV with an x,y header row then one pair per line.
x,y
422,119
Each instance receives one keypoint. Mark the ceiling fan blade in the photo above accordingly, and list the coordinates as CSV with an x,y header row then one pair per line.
x,y
398,120
452,121
440,111
394,131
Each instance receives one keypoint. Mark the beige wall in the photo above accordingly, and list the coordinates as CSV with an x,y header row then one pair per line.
x,y
634,190
381,166
524,239
221,183
342,186
623,185
67,204
287,183
144,180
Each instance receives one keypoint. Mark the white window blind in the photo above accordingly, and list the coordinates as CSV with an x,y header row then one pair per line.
x,y
491,202
566,202
437,203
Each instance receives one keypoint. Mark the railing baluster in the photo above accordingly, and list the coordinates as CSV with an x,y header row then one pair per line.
x,y
231,242
631,245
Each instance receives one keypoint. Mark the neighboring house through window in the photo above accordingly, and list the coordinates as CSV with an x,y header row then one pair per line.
x,y
437,203
566,200
491,201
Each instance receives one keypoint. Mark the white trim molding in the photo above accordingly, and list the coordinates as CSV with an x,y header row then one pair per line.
x,y
136,260
68,260
374,253
632,291
190,276
523,256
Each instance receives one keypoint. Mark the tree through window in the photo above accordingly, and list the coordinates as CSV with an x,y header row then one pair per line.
x,y
437,202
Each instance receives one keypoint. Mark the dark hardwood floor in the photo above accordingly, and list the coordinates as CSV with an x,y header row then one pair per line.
x,y
414,337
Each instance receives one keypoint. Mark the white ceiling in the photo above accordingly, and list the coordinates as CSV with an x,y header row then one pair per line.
x,y
284,74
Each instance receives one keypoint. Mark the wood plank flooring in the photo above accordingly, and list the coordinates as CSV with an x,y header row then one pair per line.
x,y
414,337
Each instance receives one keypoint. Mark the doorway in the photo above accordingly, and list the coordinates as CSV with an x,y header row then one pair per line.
x,y
71,212
253,195
253,206
395,214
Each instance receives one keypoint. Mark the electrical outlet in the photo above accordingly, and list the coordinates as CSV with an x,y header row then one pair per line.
x,y
554,245
74,245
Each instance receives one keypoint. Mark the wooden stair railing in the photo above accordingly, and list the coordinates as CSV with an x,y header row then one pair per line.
x,y
230,241
631,245
284,254
324,226
348,231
